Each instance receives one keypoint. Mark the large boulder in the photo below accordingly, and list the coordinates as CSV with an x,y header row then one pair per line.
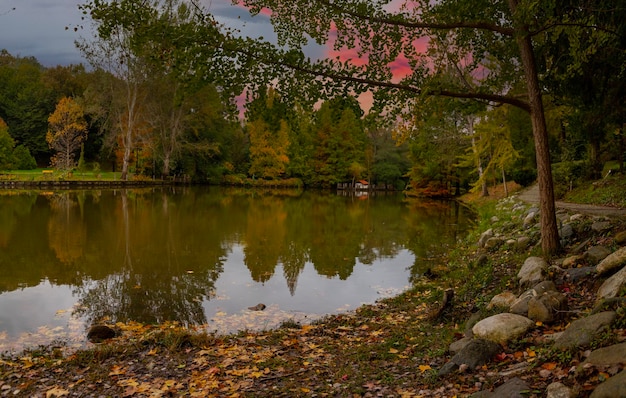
x,y
502,328
596,254
613,387
607,356
612,286
612,262
581,332
532,272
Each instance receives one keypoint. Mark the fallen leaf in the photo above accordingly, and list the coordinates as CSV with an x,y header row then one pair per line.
x,y
117,370
56,392
549,365
424,368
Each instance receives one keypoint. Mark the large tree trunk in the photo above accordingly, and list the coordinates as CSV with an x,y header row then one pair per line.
x,y
550,243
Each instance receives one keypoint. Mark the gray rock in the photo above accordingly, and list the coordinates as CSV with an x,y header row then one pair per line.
x,y
520,306
493,243
608,356
476,352
566,232
458,345
613,387
547,307
560,390
514,388
581,332
600,226
522,243
612,286
612,262
576,217
544,286
595,254
576,274
532,271
502,328
447,368
484,237
529,220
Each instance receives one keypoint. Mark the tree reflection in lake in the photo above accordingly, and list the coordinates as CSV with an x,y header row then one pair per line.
x,y
173,253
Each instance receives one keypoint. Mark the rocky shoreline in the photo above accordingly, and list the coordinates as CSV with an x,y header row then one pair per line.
x,y
547,297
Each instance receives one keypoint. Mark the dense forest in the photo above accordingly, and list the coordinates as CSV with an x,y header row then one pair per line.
x,y
495,91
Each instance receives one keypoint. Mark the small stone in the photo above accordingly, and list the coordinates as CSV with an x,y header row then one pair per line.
x,y
484,237
493,243
559,390
572,261
99,333
620,238
547,307
532,271
601,226
566,232
258,307
523,242
502,300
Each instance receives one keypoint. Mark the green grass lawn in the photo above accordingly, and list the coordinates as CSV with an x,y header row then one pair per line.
x,y
53,175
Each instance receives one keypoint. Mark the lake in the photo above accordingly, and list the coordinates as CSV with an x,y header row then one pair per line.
x,y
200,256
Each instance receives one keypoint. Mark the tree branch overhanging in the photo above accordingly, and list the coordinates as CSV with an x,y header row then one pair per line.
x,y
481,25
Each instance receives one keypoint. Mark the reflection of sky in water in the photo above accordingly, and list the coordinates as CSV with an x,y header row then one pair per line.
x,y
315,294
37,315
42,314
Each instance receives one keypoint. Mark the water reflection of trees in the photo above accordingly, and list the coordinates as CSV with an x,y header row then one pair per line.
x,y
160,274
154,255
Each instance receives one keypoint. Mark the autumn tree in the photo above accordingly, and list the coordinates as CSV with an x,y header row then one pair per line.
x,y
269,133
492,147
67,132
116,52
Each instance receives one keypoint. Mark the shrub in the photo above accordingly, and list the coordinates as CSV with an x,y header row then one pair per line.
x,y
568,175
23,159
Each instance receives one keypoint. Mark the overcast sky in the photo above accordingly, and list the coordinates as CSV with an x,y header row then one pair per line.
x,y
37,28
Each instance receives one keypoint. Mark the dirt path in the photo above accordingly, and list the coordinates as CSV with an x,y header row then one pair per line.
x,y
531,195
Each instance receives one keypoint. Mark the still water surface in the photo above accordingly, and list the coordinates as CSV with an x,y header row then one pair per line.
x,y
202,256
